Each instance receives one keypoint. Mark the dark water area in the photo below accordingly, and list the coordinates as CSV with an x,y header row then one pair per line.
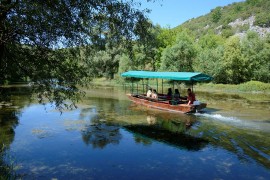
x,y
109,137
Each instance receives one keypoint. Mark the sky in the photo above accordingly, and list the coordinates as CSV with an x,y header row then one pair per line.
x,y
171,13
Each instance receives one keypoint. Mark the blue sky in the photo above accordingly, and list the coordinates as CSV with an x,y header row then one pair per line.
x,y
171,13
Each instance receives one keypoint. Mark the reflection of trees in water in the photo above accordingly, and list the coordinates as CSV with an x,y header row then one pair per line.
x,y
141,139
12,100
99,133
8,121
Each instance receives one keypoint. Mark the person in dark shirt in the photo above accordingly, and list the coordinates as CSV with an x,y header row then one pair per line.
x,y
176,95
169,94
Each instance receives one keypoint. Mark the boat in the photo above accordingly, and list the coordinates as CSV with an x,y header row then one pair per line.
x,y
164,103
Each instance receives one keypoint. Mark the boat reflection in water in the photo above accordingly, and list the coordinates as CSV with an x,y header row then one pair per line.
x,y
172,131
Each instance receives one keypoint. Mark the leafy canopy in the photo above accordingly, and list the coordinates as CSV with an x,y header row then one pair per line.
x,y
42,41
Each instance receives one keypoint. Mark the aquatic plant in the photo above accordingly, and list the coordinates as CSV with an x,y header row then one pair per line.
x,y
7,170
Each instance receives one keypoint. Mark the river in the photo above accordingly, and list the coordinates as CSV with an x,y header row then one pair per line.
x,y
109,137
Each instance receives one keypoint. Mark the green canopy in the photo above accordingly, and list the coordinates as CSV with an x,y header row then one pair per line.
x,y
179,76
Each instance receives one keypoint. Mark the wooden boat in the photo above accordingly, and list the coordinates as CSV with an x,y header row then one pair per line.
x,y
166,105
162,103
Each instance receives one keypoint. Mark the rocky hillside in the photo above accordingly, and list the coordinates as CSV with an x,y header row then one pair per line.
x,y
236,18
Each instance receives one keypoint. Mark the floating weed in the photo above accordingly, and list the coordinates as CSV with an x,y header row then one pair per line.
x,y
41,133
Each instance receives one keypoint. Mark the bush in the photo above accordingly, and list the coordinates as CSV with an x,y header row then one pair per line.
x,y
262,20
254,86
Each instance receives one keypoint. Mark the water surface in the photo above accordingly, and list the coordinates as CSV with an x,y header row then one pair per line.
x,y
108,137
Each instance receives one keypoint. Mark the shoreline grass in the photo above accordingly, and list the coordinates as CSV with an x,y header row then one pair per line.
x,y
253,87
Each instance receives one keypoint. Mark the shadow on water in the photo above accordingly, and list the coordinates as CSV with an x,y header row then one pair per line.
x,y
179,140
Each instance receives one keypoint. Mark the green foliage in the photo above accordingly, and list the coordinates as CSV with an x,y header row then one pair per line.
x,y
210,41
224,15
167,37
243,28
250,87
235,66
262,20
216,14
210,61
262,72
254,86
40,40
179,57
256,53
104,63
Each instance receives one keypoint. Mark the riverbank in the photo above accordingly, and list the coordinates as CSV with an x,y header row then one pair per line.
x,y
253,87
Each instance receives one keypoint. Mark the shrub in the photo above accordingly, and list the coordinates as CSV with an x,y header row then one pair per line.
x,y
254,86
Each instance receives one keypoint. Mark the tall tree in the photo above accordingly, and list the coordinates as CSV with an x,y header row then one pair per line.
x,y
234,63
180,56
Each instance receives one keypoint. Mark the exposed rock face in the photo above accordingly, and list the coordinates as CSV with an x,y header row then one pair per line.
x,y
239,22
250,21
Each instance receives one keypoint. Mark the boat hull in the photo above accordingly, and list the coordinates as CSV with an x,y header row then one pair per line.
x,y
166,105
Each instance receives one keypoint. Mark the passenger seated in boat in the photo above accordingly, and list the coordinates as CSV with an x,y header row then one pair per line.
x,y
169,94
176,95
149,92
191,97
154,94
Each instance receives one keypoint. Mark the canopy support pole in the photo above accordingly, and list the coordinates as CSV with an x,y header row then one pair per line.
x,y
132,86
162,86
157,85
143,85
137,88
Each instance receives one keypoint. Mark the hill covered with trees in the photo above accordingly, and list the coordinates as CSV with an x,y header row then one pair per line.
x,y
231,43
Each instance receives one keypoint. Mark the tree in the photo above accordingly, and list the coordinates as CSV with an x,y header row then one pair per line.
x,y
105,62
40,40
251,47
216,14
210,41
235,65
262,73
179,57
146,47
210,61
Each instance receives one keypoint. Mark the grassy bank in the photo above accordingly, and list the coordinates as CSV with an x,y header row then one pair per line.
x,y
248,87
104,82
